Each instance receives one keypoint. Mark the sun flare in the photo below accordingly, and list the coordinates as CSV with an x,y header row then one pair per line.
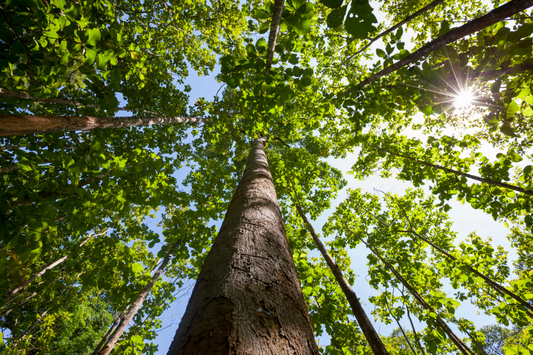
x,y
463,100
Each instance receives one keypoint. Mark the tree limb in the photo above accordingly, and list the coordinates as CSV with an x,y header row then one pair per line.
x,y
492,17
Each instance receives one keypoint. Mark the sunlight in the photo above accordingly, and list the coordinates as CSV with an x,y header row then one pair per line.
x,y
463,100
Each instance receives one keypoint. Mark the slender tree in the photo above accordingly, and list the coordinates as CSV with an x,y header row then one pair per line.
x,y
247,298
370,333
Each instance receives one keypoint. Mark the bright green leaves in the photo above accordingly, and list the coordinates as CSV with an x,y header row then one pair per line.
x,y
381,53
336,17
298,15
93,36
261,45
360,19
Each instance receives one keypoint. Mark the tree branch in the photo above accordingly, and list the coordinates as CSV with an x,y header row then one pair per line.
x,y
492,17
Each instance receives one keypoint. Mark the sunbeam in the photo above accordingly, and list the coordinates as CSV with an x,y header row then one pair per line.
x,y
464,100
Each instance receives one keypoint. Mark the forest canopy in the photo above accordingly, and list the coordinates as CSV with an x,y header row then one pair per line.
x,y
99,138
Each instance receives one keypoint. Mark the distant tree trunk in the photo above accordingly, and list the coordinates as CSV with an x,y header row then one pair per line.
x,y
274,29
132,310
12,125
247,298
373,338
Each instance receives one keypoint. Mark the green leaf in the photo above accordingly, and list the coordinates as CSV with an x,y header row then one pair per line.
x,y
336,17
90,56
136,268
507,130
286,93
261,14
303,26
73,12
261,44
332,4
512,108
93,36
381,53
306,81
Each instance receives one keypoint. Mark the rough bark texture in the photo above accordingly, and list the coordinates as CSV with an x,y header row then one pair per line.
x,y
247,298
492,17
378,348
11,125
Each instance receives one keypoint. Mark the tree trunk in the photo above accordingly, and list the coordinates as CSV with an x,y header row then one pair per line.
x,y
247,298
11,125
117,333
378,348
274,29
492,17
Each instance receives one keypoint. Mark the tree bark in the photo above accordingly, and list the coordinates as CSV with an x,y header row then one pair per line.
x,y
370,333
112,341
247,298
111,330
11,125
492,17
274,29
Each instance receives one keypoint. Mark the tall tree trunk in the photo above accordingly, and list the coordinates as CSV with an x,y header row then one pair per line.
x,y
247,298
496,15
11,125
378,348
110,331
274,29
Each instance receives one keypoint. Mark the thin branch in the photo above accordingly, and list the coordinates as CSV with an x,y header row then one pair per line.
x,y
407,19
366,326
456,172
